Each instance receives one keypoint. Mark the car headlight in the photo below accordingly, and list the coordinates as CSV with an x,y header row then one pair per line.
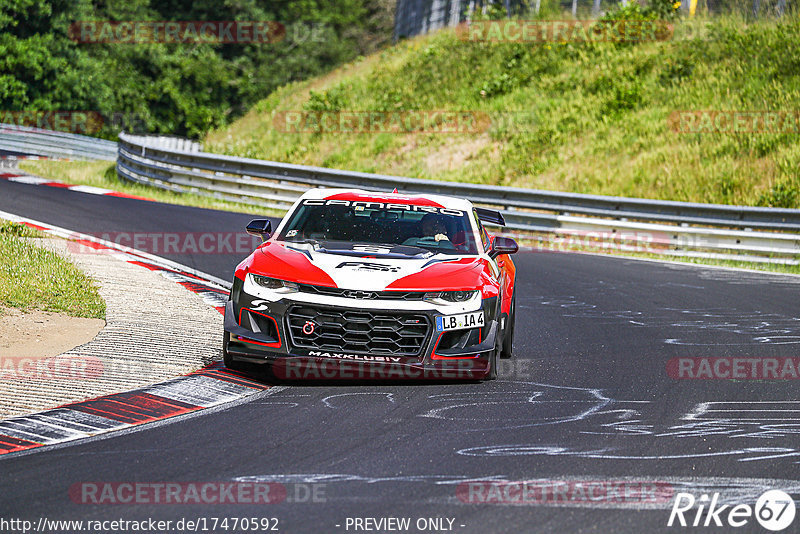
x,y
449,297
273,284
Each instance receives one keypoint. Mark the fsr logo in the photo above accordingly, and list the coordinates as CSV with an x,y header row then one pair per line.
x,y
774,510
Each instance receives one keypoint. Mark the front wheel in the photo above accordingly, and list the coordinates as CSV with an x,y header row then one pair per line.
x,y
254,370
226,357
492,374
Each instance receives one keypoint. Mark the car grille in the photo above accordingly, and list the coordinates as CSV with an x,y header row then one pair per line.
x,y
365,295
358,331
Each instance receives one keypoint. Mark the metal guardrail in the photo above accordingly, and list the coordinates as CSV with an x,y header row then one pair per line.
x,y
52,144
167,143
662,227
667,225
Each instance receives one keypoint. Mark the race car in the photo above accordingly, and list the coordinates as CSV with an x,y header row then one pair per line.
x,y
356,284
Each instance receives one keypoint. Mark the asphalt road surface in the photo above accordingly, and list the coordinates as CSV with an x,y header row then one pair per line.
x,y
586,402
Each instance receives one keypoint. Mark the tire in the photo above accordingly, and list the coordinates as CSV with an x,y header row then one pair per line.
x,y
252,369
226,357
508,331
492,374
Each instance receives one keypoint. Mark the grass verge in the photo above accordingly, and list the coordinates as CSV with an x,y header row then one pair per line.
x,y
35,278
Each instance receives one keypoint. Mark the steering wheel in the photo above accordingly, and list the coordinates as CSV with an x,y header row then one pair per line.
x,y
431,241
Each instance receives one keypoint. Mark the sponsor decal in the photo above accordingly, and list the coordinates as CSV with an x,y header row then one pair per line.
x,y
380,205
366,266
368,249
355,357
259,305
309,327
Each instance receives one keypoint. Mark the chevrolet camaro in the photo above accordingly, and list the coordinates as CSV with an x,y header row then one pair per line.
x,y
355,284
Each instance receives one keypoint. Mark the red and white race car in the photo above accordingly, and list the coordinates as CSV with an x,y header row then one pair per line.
x,y
356,284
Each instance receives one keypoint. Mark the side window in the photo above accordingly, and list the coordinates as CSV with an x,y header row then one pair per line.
x,y
482,231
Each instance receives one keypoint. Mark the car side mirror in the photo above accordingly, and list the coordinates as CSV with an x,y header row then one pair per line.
x,y
260,227
503,245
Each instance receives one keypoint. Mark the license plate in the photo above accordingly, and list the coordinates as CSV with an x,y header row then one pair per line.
x,y
445,323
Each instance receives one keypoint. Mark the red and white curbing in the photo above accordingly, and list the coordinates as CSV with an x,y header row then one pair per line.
x,y
211,386
92,190
208,387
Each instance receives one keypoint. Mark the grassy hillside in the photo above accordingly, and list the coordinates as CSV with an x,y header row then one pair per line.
x,y
595,116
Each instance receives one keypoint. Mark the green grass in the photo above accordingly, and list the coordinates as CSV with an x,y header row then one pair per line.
x,y
35,278
103,174
595,117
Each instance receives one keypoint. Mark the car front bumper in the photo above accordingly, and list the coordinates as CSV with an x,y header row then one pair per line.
x,y
272,344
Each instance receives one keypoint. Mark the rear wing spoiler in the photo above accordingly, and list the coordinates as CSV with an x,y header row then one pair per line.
x,y
490,216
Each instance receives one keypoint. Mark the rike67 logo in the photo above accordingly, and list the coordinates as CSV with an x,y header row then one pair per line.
x,y
774,510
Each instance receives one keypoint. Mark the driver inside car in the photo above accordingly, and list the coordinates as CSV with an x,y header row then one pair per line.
x,y
434,226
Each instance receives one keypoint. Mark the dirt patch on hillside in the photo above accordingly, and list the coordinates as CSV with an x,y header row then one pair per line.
x,y
450,157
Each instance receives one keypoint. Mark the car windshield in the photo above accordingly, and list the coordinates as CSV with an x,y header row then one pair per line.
x,y
404,229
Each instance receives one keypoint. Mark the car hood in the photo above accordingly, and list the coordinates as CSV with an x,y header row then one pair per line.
x,y
304,264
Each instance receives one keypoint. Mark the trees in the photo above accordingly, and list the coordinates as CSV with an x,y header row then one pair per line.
x,y
178,88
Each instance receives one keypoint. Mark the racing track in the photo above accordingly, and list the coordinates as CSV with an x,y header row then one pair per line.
x,y
587,397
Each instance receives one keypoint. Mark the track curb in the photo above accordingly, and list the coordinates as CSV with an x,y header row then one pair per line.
x,y
208,387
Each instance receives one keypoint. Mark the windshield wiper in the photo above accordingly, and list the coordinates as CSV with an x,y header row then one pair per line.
x,y
306,241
